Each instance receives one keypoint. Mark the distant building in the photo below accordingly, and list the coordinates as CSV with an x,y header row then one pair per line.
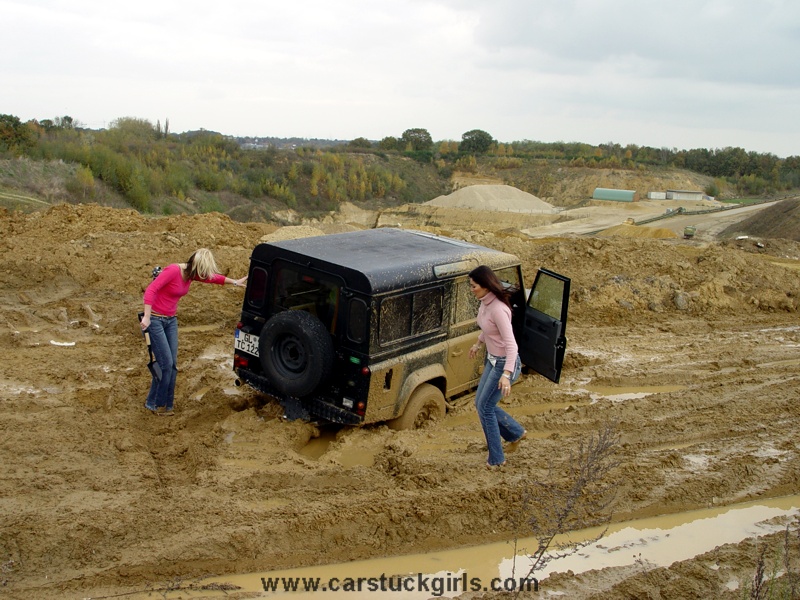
x,y
656,195
615,195
684,195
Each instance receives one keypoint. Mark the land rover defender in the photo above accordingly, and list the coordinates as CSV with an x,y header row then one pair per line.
x,y
376,325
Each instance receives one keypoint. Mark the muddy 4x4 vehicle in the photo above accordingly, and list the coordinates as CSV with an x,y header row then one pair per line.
x,y
376,325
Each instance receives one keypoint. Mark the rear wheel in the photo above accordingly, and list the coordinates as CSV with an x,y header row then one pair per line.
x,y
425,404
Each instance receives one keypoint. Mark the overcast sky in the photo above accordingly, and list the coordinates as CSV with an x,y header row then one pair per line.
x,y
661,73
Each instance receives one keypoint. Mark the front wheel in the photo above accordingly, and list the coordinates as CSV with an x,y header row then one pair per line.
x,y
425,404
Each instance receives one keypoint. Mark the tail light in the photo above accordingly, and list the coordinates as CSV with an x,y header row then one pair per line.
x,y
240,362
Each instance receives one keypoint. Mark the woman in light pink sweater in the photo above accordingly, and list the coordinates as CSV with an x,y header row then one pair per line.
x,y
502,366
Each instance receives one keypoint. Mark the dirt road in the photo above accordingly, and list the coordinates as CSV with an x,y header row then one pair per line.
x,y
708,225
98,497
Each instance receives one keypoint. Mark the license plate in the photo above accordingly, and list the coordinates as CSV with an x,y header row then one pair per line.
x,y
245,342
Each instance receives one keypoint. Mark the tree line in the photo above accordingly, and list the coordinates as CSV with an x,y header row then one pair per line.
x,y
156,169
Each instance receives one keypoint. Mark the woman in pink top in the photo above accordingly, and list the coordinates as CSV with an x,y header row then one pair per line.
x,y
502,366
160,305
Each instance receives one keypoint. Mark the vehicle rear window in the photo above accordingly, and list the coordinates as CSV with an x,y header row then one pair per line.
x,y
297,289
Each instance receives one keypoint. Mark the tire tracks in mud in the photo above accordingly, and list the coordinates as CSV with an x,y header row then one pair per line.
x,y
726,437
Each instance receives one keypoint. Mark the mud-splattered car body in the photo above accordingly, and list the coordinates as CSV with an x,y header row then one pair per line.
x,y
375,325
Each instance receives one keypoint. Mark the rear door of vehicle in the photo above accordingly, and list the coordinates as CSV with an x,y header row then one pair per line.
x,y
541,335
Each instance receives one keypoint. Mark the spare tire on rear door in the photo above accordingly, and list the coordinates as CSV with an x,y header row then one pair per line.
x,y
296,352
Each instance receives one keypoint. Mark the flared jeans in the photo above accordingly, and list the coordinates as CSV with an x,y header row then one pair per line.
x,y
164,344
497,424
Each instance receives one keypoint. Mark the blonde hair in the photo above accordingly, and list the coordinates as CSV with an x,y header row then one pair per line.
x,y
201,265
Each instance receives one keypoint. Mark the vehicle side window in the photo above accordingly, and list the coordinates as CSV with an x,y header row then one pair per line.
x,y
510,277
410,315
427,311
466,305
357,320
395,320
257,287
512,281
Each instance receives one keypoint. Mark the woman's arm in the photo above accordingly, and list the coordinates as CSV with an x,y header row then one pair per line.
x,y
145,322
222,280
236,282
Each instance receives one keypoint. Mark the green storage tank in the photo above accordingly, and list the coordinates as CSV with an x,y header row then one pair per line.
x,y
615,195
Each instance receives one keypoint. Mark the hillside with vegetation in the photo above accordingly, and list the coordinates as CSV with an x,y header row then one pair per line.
x,y
135,163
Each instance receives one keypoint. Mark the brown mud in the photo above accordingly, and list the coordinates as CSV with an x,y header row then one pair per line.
x,y
99,497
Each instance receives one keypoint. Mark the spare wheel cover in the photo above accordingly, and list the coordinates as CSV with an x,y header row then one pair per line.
x,y
296,352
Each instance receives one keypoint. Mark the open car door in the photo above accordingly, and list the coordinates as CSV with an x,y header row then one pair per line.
x,y
541,333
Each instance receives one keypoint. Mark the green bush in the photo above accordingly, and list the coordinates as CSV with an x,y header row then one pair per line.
x,y
712,189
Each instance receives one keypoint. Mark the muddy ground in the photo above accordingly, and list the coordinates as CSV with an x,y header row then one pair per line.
x,y
100,498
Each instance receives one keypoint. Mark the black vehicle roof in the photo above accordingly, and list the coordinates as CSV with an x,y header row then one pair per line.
x,y
379,260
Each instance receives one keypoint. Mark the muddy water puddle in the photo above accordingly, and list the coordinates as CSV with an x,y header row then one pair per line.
x,y
362,455
657,541
661,541
318,446
620,394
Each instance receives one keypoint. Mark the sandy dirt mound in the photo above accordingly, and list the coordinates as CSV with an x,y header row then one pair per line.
x,y
493,197
292,232
100,498
571,186
446,218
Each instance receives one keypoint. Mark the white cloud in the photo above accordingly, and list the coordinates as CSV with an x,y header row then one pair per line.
x,y
700,73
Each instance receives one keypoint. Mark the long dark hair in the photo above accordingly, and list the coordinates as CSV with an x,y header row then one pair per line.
x,y
486,278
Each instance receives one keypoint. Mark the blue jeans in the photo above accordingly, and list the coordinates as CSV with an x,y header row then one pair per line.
x,y
164,344
496,422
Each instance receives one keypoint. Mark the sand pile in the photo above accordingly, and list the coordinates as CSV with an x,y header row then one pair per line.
x,y
291,232
495,198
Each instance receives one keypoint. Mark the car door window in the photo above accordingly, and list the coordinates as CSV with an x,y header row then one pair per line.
x,y
548,297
